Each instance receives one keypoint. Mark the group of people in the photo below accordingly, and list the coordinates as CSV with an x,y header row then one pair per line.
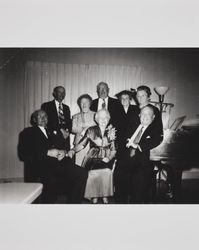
x,y
109,133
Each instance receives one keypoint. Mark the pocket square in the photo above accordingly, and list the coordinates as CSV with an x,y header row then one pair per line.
x,y
148,137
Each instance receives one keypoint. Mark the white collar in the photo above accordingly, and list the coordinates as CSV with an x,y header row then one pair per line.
x,y
57,103
126,109
43,130
106,99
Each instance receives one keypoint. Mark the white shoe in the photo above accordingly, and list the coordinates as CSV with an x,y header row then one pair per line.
x,y
94,200
105,200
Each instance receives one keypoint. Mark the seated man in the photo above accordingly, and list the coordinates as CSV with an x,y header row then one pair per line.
x,y
51,165
133,172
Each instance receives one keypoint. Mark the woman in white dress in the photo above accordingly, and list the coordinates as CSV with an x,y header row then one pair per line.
x,y
81,122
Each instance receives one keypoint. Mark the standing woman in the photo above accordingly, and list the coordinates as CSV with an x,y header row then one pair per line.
x,y
81,122
129,118
143,99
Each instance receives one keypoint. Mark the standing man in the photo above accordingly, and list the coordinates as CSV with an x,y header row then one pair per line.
x,y
105,102
133,172
59,118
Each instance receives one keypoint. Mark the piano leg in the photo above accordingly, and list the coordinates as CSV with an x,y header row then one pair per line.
x,y
175,179
172,180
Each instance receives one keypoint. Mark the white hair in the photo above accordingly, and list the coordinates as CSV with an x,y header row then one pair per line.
x,y
101,111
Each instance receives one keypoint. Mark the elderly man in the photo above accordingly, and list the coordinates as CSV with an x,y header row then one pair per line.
x,y
133,173
105,102
53,166
59,118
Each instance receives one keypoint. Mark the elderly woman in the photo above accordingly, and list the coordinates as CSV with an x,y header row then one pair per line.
x,y
100,157
81,122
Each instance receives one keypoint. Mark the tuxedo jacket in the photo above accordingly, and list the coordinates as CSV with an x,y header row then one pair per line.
x,y
114,108
150,139
33,146
134,121
53,120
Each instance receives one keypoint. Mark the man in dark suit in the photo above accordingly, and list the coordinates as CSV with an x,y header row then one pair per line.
x,y
59,118
133,172
105,102
52,166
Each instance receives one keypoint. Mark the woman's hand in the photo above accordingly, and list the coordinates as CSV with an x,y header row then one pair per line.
x,y
105,159
130,143
53,152
71,153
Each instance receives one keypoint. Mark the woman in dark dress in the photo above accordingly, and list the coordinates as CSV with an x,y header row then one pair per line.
x,y
129,118
143,99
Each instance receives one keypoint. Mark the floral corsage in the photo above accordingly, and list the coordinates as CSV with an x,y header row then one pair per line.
x,y
111,133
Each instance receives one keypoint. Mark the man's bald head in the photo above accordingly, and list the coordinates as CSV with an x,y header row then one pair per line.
x,y
147,115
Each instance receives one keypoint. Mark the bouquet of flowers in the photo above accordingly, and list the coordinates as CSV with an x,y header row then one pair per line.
x,y
111,133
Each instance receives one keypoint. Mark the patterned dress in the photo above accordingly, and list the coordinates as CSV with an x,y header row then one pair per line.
x,y
80,122
100,180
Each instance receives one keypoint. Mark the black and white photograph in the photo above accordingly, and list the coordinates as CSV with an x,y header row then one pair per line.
x,y
99,124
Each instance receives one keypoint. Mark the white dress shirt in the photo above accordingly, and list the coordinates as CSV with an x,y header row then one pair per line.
x,y
43,130
101,101
126,109
57,106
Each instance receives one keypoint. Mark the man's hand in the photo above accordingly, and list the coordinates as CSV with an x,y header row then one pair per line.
x,y
53,152
61,155
65,133
71,153
130,143
105,159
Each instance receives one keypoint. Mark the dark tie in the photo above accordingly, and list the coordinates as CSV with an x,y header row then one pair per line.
x,y
104,104
61,114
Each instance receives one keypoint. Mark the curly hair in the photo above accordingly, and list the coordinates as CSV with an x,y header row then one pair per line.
x,y
86,96
145,88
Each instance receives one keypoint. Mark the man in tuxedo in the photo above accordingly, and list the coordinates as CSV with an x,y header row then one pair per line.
x,y
59,118
105,102
51,165
133,171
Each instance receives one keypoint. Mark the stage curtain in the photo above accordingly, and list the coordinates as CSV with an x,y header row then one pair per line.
x,y
26,85
41,78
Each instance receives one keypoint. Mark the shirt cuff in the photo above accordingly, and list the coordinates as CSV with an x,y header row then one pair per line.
x,y
138,146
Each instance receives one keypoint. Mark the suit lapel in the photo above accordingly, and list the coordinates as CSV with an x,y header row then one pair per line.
x,y
146,132
41,134
55,111
65,110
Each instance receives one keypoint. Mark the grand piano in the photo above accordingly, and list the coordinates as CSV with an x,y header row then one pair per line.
x,y
178,152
